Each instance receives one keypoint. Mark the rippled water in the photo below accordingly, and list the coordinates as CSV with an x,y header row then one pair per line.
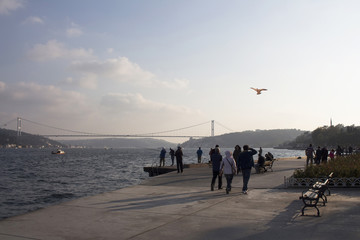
x,y
34,178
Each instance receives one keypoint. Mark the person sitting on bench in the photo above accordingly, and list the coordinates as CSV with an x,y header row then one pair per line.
x,y
269,156
260,164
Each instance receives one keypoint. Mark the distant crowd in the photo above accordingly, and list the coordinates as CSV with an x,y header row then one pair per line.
x,y
229,165
322,154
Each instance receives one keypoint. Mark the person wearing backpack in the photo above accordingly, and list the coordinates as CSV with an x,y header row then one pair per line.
x,y
228,167
309,152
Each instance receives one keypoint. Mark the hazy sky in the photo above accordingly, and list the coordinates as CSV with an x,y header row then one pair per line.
x,y
142,66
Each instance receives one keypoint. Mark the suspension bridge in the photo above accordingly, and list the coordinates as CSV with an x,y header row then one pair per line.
x,y
80,134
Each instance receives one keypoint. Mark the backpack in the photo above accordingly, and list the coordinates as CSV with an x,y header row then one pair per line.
x,y
309,151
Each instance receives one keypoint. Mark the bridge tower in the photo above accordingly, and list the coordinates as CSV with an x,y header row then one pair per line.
x,y
18,127
212,128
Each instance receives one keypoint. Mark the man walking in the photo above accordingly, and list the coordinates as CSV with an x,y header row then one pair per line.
x,y
246,162
216,159
162,157
309,152
199,153
179,160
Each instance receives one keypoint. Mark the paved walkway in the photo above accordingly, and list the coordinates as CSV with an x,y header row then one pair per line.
x,y
181,206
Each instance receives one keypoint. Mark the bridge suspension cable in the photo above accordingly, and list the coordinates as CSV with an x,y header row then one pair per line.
x,y
224,127
5,124
62,129
178,129
87,134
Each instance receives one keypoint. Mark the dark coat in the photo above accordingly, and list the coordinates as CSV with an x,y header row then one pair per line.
x,y
179,154
216,159
246,160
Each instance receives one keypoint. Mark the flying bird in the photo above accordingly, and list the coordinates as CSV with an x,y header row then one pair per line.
x,y
258,91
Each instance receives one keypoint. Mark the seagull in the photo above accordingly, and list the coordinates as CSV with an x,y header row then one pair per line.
x,y
258,91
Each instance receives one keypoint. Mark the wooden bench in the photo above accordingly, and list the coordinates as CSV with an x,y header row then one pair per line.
x,y
311,196
269,164
321,187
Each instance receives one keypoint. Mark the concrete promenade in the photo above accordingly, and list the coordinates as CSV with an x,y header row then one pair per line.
x,y
181,206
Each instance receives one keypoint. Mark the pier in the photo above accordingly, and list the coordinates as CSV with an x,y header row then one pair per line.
x,y
157,170
181,206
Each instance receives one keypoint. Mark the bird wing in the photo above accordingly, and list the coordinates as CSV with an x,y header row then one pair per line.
x,y
254,89
263,89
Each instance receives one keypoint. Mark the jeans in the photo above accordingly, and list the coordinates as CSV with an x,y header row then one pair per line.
x,y
162,162
246,176
216,174
179,165
309,158
229,178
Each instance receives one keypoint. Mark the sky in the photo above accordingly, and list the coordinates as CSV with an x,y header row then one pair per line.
x,y
140,66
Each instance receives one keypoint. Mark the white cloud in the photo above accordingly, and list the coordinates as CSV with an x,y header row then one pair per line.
x,y
118,102
88,81
123,70
2,86
54,50
136,114
175,84
43,98
6,6
33,20
73,32
119,69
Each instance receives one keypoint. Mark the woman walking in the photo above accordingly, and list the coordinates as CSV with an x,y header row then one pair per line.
x,y
228,167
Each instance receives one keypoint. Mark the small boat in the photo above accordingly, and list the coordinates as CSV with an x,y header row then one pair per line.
x,y
59,151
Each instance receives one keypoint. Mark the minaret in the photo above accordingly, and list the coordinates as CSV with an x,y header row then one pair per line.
x,y
212,128
330,122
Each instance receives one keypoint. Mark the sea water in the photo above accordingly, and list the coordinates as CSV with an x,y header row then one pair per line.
x,y
31,179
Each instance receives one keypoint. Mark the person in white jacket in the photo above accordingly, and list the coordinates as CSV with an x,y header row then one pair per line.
x,y
228,167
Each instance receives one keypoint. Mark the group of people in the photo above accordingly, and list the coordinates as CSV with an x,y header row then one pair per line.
x,y
230,165
321,155
178,154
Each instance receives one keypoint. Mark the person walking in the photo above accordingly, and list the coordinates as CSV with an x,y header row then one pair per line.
x,y
332,154
199,153
216,159
318,155
339,151
228,167
162,157
179,160
236,153
172,156
246,162
324,154
309,152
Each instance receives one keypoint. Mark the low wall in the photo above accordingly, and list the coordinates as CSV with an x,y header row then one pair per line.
x,y
333,182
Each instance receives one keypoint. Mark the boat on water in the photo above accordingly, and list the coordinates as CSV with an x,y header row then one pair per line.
x,y
59,151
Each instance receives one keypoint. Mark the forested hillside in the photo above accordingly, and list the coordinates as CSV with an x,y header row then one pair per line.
x,y
9,138
328,136
258,138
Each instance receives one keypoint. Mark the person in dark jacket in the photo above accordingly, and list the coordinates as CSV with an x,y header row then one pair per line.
x,y
236,153
246,162
172,155
162,157
179,159
318,155
324,154
216,159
